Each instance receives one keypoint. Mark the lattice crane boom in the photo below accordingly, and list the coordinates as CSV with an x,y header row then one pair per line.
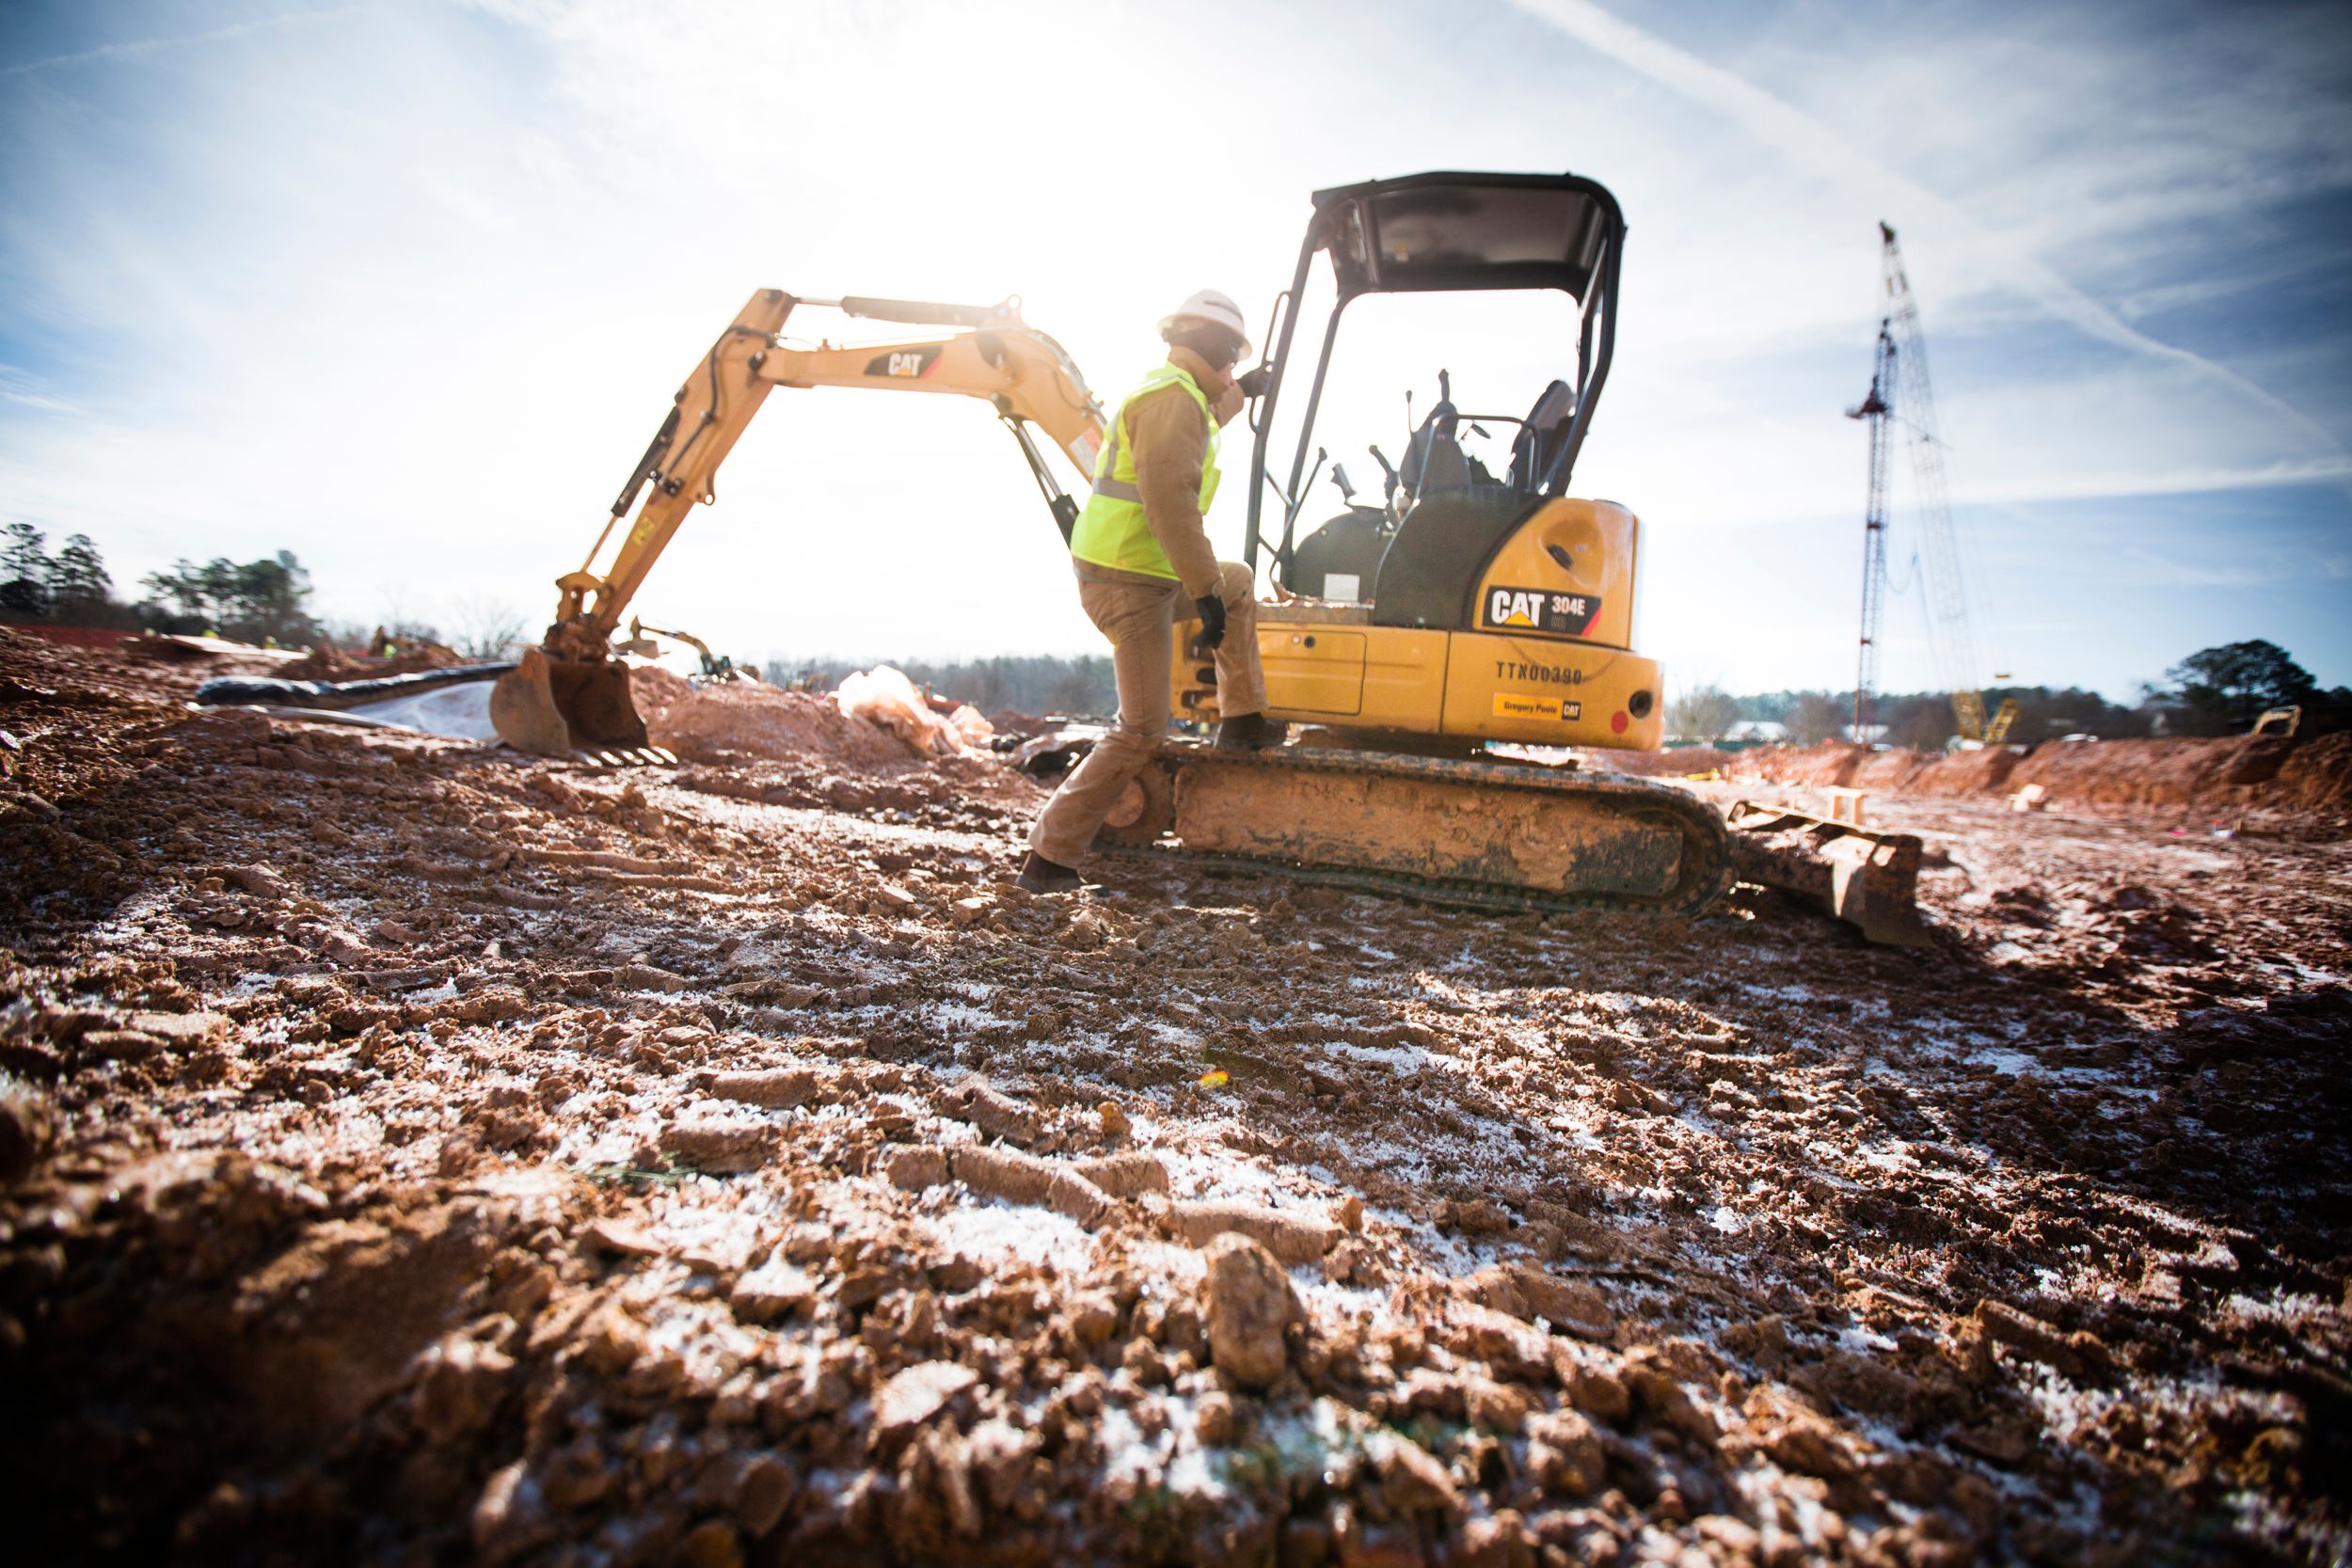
x,y
1901,388
1873,410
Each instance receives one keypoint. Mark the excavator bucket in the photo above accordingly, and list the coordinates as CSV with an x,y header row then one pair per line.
x,y
1868,878
554,708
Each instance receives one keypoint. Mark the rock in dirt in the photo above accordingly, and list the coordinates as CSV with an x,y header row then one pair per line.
x,y
511,1518
720,1147
1522,1291
28,1126
1019,1178
775,1089
995,1112
915,1395
916,1169
180,1031
1295,1238
489,1004
623,1238
460,1382
2077,1355
770,1291
1565,1452
1248,1302
1413,1481
1129,1175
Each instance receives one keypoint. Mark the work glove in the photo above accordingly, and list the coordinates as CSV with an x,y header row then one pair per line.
x,y
1212,622
1253,383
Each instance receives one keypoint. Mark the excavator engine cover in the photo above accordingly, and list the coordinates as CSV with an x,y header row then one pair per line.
x,y
553,707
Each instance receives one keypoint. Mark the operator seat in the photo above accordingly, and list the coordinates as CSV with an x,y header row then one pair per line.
x,y
1433,459
1539,438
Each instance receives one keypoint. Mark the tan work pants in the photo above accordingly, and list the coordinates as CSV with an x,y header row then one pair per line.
x,y
1138,614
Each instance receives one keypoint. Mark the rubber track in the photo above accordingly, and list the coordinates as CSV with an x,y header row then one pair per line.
x,y
1705,860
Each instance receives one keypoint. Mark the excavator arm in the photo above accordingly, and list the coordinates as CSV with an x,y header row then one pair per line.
x,y
570,692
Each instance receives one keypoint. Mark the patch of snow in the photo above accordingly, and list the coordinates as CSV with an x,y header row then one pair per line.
x,y
992,1229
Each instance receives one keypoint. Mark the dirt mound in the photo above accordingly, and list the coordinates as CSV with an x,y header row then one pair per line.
x,y
1831,762
1680,762
327,664
2234,773
2317,776
740,718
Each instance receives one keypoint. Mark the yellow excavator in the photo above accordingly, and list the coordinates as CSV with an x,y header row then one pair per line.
x,y
644,641
1405,640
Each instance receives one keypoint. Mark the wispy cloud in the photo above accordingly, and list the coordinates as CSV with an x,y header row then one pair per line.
x,y
138,49
1839,155
26,390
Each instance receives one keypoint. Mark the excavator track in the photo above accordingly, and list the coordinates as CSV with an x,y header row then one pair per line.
x,y
1488,835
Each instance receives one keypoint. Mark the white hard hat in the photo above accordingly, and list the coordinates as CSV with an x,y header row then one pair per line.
x,y
1209,305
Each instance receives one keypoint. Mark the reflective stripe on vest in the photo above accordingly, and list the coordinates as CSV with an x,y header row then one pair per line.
x,y
1111,532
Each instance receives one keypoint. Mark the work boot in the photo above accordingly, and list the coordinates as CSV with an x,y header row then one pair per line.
x,y
1039,875
1248,732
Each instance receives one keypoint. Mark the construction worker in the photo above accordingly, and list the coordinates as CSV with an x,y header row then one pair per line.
x,y
1140,554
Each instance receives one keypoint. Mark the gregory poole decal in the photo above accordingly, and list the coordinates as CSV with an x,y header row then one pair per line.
x,y
1513,704
1539,610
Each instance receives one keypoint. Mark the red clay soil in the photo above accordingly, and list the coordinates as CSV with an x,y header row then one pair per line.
x,y
411,1152
2269,774
327,664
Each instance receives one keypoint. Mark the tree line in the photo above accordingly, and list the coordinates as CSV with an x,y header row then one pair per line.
x,y
254,601
1037,684
2215,691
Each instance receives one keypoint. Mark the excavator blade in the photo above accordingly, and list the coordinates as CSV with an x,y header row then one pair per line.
x,y
1865,878
554,708
1474,834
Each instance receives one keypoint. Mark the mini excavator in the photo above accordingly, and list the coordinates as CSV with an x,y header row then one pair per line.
x,y
1405,640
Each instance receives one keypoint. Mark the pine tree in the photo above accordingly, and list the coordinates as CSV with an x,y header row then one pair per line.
x,y
78,580
25,568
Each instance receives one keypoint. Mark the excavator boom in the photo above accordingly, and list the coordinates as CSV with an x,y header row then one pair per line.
x,y
570,693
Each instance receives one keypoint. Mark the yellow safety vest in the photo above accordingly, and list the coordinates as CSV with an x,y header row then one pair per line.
x,y
1111,531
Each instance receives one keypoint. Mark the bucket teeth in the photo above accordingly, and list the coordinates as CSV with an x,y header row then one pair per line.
x,y
553,707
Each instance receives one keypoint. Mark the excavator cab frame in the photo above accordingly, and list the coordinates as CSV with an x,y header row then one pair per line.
x,y
1447,233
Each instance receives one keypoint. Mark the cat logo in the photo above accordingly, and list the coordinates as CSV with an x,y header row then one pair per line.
x,y
1515,606
1539,610
907,364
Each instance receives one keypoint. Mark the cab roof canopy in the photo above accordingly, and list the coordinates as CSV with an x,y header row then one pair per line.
x,y
1450,231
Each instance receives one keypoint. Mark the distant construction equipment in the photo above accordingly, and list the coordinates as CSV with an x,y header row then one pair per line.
x,y
1900,392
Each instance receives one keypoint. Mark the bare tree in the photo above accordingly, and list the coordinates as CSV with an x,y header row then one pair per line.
x,y
1703,713
488,628
1816,717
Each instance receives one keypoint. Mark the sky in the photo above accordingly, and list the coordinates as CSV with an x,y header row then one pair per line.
x,y
404,287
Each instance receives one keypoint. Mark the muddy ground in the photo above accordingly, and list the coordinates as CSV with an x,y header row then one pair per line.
x,y
414,1154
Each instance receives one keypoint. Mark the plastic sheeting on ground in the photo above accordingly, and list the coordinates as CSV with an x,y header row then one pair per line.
x,y
458,712
884,696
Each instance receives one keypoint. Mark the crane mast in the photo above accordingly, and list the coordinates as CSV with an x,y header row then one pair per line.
x,y
1899,382
1873,411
